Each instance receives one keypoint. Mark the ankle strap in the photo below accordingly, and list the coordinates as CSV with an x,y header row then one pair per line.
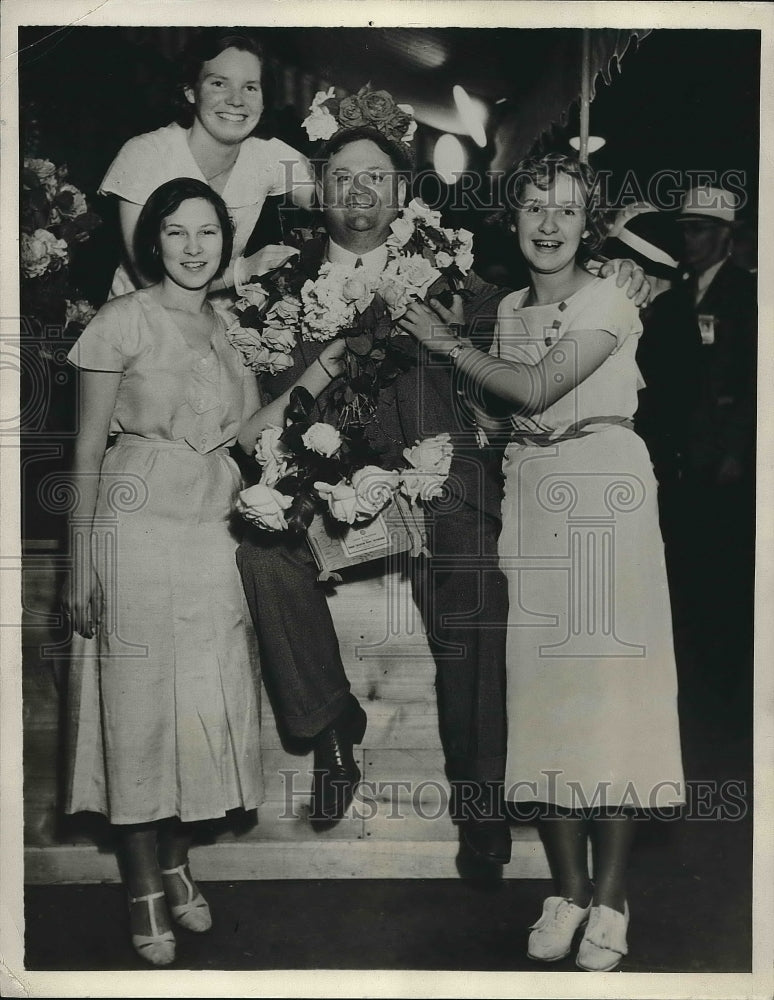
x,y
180,870
145,899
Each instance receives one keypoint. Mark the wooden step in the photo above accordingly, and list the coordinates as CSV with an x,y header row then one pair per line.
x,y
398,825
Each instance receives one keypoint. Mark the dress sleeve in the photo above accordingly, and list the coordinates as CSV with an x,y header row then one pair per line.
x,y
136,170
99,347
291,168
606,307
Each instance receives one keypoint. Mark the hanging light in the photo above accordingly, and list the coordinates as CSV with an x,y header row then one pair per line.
x,y
472,113
449,158
596,142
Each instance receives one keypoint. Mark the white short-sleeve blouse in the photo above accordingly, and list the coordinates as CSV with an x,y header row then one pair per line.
x,y
263,167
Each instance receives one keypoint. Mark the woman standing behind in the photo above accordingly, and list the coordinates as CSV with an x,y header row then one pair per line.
x,y
223,80
592,690
163,704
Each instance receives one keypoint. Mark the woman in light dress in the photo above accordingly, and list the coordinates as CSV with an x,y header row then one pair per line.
x,y
164,719
222,101
593,732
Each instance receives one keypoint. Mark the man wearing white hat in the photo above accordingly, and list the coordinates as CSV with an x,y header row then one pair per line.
x,y
721,473
724,298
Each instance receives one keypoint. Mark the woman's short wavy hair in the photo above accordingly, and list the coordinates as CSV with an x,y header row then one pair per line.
x,y
207,45
542,171
162,202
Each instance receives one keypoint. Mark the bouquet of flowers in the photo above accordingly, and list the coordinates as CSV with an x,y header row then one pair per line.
x,y
54,214
55,217
311,467
288,304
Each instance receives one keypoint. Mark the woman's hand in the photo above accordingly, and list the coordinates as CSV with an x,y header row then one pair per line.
x,y
82,601
266,259
332,356
434,325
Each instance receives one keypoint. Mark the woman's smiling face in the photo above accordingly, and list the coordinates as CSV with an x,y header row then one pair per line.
x,y
191,244
550,224
228,96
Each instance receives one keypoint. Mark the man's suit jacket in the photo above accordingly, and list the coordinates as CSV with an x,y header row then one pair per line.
x,y
724,420
423,401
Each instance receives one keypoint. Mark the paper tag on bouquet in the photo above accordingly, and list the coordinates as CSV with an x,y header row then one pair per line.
x,y
707,328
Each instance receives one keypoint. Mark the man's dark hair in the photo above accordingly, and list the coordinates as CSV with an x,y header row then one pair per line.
x,y
399,153
165,200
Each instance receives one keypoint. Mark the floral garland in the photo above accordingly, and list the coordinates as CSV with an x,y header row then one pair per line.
x,y
309,466
274,310
374,108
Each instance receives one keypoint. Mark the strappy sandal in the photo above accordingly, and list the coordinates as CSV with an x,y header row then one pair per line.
x,y
156,948
194,914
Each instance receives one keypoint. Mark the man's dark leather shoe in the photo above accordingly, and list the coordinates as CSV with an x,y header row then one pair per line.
x,y
489,839
336,774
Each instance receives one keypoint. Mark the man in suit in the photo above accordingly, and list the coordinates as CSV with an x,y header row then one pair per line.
x,y
721,454
362,185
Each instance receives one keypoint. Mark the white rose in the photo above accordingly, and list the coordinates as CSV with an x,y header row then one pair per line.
x,y
284,311
431,455
402,231
357,290
374,488
41,252
408,135
419,210
264,507
443,259
252,295
44,170
396,297
35,257
320,124
341,498
321,96
418,273
418,485
279,339
464,261
269,448
322,439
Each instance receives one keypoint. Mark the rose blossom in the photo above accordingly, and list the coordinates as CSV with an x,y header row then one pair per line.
x,y
320,124
342,500
44,170
402,231
434,454
421,485
279,338
271,455
418,273
396,297
40,252
378,105
80,312
285,310
268,447
358,291
263,506
351,113
464,261
443,259
252,295
322,439
69,203
374,488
